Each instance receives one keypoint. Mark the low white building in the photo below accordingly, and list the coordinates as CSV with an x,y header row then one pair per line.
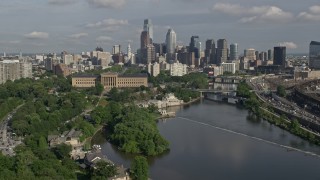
x,y
229,67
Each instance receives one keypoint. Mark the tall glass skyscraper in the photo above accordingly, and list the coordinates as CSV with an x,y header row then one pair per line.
x,y
171,41
280,55
210,51
147,26
195,46
222,51
314,55
234,51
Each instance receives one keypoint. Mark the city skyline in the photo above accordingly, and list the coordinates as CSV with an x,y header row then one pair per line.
x,y
57,25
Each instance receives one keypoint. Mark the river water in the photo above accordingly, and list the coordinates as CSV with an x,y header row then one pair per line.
x,y
210,140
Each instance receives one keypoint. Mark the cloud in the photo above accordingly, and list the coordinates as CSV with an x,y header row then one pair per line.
x,y
37,35
289,45
107,3
104,39
314,9
255,13
79,35
108,22
312,15
61,2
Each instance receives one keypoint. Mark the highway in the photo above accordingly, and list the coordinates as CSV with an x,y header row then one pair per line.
x,y
257,84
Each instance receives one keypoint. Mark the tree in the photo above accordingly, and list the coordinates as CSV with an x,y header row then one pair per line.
x,y
139,168
63,151
281,91
103,170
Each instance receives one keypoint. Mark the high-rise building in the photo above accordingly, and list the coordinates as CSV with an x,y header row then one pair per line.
x,y
194,46
161,48
314,55
279,56
145,39
222,51
270,54
257,54
147,26
263,56
250,54
234,51
154,69
210,52
178,69
148,54
116,49
67,59
14,69
171,41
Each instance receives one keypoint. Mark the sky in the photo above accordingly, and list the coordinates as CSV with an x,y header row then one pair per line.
x,y
43,26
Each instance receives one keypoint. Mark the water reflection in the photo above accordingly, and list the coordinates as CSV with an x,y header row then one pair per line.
x,y
199,151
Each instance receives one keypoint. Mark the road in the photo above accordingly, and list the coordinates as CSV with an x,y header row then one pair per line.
x,y
8,141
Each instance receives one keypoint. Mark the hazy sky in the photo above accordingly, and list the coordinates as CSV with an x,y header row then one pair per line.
x,y
81,25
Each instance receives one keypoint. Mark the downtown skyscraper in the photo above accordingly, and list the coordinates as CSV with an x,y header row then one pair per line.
x,y
222,51
210,52
234,51
171,43
280,56
148,27
314,55
195,46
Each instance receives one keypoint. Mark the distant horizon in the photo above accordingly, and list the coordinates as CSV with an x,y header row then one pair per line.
x,y
73,25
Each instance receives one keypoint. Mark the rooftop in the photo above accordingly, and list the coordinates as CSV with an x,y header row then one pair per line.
x,y
315,43
85,76
133,75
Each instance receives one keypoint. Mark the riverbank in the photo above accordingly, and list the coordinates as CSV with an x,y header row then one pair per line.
x,y
259,108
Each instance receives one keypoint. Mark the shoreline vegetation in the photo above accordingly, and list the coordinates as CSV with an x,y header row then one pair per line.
x,y
264,111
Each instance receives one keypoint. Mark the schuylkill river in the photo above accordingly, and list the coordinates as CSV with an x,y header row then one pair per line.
x,y
210,140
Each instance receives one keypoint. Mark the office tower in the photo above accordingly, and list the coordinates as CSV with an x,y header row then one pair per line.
x,y
210,51
270,54
171,41
279,56
116,49
263,56
147,26
222,51
161,48
257,54
148,54
194,46
250,54
314,55
234,51
145,39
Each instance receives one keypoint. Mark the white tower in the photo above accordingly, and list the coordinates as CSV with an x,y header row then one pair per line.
x,y
171,41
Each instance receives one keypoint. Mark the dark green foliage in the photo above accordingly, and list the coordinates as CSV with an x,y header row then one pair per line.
x,y
103,170
139,168
243,90
62,151
281,91
192,80
132,128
